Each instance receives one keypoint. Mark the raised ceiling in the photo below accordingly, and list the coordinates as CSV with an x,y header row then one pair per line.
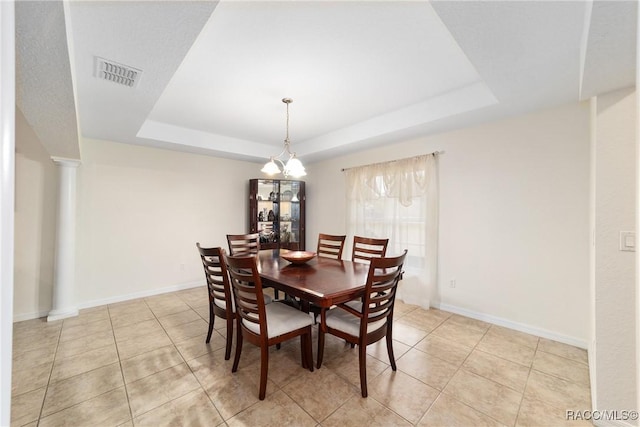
x,y
360,73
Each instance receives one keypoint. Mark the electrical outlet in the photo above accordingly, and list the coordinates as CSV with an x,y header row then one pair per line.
x,y
452,283
182,267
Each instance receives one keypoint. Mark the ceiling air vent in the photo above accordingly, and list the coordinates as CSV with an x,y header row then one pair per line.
x,y
117,73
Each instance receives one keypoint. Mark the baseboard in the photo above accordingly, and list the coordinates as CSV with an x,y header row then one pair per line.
x,y
141,294
540,332
29,316
119,298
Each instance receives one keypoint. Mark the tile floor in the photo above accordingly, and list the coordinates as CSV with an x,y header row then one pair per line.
x,y
144,362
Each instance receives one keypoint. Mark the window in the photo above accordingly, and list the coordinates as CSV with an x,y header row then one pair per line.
x,y
398,200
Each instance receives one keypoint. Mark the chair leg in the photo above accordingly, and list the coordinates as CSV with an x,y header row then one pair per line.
x,y
227,350
264,368
362,353
236,359
320,347
309,349
212,318
392,358
303,351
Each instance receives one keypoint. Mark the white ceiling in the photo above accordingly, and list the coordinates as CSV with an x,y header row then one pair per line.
x,y
360,73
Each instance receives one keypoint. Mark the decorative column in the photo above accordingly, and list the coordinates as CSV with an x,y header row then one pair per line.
x,y
64,304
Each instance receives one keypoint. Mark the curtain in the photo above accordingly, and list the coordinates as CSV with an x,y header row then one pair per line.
x,y
398,200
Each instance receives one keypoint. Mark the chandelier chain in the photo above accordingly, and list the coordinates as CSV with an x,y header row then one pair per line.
x,y
287,101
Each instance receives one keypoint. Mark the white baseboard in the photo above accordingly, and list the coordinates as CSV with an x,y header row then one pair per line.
x,y
533,330
29,316
142,294
119,298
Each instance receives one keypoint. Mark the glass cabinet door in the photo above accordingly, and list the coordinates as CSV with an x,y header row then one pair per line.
x,y
268,204
276,213
290,225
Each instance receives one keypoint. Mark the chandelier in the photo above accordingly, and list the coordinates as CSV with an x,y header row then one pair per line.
x,y
293,167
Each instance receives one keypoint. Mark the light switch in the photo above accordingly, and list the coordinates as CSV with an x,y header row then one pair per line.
x,y
628,241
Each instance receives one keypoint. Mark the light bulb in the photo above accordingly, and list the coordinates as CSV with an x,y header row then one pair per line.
x,y
270,168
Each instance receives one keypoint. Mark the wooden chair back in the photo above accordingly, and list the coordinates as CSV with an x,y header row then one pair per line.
x,y
243,244
247,290
330,246
365,248
251,317
219,290
372,315
380,290
215,271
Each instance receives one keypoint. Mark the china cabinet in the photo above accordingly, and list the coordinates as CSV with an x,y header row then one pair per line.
x,y
276,211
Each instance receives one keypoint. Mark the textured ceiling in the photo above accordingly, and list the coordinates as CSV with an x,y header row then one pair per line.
x,y
610,53
360,73
44,88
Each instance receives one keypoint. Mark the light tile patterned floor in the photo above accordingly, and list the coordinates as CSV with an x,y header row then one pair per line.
x,y
145,362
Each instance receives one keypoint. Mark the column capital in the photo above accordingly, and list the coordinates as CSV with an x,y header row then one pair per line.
x,y
64,161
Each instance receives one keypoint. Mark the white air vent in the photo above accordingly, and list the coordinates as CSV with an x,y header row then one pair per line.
x,y
117,73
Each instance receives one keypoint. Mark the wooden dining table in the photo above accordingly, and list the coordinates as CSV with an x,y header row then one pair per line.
x,y
321,281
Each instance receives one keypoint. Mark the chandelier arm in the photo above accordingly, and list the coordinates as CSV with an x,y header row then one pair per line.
x,y
284,150
279,161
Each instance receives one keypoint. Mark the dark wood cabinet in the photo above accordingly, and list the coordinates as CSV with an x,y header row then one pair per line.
x,y
276,211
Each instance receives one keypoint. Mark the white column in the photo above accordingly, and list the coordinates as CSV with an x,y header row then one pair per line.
x,y
64,304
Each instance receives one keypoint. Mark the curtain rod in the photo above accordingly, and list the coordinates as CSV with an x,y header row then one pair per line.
x,y
392,161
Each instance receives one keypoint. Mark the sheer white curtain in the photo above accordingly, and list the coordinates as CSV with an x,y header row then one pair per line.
x,y
399,200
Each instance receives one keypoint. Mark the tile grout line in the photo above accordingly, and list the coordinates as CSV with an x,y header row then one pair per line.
x,y
124,382
538,350
64,379
46,390
563,357
155,317
189,366
413,347
526,383
461,367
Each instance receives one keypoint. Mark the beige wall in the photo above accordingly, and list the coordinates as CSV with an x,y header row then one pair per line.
x,y
513,218
514,229
141,212
514,223
35,221
612,352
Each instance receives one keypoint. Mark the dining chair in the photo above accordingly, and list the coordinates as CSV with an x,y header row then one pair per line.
x,y
330,246
367,319
243,243
365,248
246,244
220,294
264,324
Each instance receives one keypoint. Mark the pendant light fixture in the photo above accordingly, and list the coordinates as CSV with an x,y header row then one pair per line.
x,y
293,167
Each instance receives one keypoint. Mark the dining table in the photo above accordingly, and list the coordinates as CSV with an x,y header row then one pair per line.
x,y
321,281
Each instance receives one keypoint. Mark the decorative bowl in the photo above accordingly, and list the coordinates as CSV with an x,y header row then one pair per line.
x,y
298,257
